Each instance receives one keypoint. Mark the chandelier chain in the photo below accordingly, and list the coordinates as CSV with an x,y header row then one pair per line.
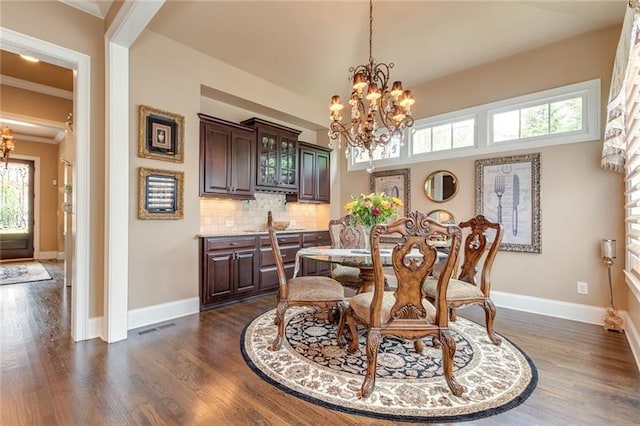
x,y
370,31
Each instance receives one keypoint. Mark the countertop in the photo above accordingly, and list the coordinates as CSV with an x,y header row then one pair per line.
x,y
248,233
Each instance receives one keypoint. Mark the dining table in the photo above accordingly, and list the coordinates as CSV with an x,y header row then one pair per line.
x,y
356,258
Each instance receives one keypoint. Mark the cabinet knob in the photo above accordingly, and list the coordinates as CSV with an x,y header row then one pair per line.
x,y
233,244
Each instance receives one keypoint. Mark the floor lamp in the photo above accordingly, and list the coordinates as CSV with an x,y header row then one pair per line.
x,y
612,321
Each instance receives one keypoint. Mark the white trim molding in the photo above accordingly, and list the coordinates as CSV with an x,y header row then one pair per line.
x,y
35,87
633,337
16,42
45,255
164,312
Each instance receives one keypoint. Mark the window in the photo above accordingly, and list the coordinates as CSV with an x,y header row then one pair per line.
x,y
443,137
552,118
391,151
567,114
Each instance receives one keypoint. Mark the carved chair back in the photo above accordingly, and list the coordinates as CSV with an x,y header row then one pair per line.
x,y
344,234
413,259
476,258
275,247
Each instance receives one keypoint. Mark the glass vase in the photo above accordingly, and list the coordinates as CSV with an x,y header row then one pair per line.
x,y
366,229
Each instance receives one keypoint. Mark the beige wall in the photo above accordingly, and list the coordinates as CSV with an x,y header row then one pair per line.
x,y
48,193
65,26
580,203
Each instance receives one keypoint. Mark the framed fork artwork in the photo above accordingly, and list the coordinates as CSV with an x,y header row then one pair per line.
x,y
508,192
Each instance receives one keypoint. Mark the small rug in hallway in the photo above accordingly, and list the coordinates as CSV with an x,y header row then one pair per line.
x,y
409,387
22,272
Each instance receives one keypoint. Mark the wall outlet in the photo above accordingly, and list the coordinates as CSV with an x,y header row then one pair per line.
x,y
583,287
229,223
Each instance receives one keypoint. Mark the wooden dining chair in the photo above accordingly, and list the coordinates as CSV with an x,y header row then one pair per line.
x,y
345,235
466,290
405,312
322,292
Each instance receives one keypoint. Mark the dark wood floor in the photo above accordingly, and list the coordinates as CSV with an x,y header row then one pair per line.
x,y
192,372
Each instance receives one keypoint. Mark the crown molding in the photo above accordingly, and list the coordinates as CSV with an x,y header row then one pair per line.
x,y
35,87
90,7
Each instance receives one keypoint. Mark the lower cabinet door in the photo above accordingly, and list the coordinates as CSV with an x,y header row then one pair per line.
x,y
218,277
245,271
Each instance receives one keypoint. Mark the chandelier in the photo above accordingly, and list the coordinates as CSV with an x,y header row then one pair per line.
x,y
7,145
379,113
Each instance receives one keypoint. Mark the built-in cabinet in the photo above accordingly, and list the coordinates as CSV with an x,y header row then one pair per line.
x,y
276,156
229,268
310,266
314,184
227,159
234,268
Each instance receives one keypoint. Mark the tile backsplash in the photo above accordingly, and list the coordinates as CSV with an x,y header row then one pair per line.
x,y
218,215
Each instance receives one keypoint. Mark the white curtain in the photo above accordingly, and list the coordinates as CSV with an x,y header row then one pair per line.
x,y
622,95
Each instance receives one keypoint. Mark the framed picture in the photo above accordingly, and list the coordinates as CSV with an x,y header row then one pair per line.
x,y
395,183
508,192
161,134
160,194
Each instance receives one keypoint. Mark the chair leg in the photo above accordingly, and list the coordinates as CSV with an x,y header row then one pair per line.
x,y
418,345
342,308
373,341
453,314
489,315
353,346
281,309
448,351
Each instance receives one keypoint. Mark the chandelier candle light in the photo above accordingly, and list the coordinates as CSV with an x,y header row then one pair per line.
x,y
611,320
379,113
6,145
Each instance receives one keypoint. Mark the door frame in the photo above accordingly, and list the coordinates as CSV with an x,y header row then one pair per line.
x,y
16,42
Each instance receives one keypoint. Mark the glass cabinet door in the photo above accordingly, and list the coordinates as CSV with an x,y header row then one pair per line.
x,y
268,159
287,162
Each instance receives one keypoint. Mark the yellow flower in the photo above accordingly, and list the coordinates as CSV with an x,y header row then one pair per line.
x,y
397,201
350,205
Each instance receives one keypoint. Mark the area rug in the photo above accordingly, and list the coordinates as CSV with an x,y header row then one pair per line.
x,y
409,387
13,273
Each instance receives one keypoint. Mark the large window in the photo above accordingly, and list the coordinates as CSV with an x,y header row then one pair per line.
x,y
561,115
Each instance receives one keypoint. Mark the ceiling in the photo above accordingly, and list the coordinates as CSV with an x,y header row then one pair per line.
x,y
308,46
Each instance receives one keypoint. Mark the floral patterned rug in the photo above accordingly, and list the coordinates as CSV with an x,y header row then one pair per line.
x,y
13,273
409,386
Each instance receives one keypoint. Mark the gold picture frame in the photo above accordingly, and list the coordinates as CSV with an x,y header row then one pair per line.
x,y
160,134
160,194
396,183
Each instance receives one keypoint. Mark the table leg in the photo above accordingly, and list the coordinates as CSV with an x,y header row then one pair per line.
x,y
368,279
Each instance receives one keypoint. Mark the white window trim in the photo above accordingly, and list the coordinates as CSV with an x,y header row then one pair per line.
x,y
483,114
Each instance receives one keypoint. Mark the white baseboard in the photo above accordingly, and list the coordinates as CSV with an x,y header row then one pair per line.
x,y
163,312
549,307
566,310
633,337
60,255
45,255
95,328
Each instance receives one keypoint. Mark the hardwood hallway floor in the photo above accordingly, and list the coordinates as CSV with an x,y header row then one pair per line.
x,y
190,370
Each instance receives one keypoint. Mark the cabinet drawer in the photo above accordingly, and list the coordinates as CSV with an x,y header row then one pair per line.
x,y
283,240
229,243
288,255
316,238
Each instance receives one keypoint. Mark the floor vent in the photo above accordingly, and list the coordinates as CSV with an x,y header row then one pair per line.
x,y
160,327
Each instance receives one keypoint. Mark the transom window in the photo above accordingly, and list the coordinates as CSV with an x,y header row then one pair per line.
x,y
567,114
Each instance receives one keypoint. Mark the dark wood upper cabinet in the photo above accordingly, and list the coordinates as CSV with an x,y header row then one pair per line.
x,y
227,158
315,174
276,156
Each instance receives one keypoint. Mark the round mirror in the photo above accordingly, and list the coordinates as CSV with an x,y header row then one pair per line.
x,y
441,186
442,216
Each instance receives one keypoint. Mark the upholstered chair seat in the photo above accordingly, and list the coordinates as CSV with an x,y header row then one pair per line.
x,y
348,275
457,290
309,289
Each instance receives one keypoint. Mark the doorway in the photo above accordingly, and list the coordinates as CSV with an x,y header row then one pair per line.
x,y
16,209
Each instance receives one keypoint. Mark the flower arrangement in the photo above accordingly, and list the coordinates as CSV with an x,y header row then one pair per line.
x,y
372,209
